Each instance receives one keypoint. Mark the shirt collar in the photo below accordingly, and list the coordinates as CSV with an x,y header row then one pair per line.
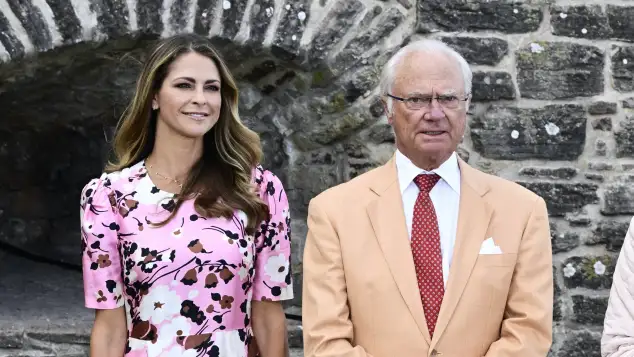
x,y
407,171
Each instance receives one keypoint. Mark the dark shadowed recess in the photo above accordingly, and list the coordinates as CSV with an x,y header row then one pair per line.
x,y
58,112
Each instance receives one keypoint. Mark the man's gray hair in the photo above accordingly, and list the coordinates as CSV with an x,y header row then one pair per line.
x,y
425,45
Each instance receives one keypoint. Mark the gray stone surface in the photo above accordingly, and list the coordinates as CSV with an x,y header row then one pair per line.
x,y
571,21
602,108
559,70
503,16
562,198
603,124
553,132
589,310
624,137
33,22
563,241
479,50
549,173
581,344
623,68
616,199
620,18
335,25
591,272
491,86
610,233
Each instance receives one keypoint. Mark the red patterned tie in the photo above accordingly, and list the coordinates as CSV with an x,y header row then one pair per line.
x,y
426,250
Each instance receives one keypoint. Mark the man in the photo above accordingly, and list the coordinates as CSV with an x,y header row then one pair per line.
x,y
427,256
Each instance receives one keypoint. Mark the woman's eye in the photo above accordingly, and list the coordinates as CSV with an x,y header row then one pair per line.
x,y
183,85
213,88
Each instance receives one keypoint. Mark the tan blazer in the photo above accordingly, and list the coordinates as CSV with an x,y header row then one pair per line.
x,y
360,294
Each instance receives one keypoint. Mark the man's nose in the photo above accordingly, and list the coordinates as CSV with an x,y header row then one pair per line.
x,y
435,111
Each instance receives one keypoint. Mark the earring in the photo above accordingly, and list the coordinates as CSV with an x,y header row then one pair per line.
x,y
154,106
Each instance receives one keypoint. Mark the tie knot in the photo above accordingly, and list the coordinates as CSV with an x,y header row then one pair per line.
x,y
426,182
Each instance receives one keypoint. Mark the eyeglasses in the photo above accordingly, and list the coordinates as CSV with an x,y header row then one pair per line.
x,y
419,102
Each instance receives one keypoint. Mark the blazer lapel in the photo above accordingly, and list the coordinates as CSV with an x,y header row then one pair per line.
x,y
473,220
388,221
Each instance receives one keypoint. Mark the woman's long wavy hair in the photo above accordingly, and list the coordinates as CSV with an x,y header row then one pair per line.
x,y
221,179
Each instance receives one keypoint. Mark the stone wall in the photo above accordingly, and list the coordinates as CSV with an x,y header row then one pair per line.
x,y
553,109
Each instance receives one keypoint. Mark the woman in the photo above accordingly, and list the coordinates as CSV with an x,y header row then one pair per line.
x,y
618,330
186,239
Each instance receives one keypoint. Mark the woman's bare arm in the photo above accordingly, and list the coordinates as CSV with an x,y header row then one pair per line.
x,y
109,333
269,328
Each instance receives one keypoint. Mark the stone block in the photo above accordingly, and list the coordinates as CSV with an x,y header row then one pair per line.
x,y
489,86
624,137
295,15
66,20
609,233
148,14
562,241
10,41
557,310
600,166
620,19
359,46
312,173
323,120
600,147
232,17
33,22
360,157
477,15
617,199
179,15
602,108
595,177
553,132
628,103
261,15
581,344
562,198
335,25
584,21
602,124
623,68
479,50
11,337
205,13
589,310
559,70
564,173
592,272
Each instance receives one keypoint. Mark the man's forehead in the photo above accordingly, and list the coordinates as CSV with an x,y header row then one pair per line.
x,y
428,72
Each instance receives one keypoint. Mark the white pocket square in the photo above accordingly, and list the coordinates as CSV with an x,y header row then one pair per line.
x,y
489,247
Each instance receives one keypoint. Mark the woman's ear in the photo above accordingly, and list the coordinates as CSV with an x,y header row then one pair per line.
x,y
155,105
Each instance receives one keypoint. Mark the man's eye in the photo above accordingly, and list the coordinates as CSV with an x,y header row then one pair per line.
x,y
447,98
416,100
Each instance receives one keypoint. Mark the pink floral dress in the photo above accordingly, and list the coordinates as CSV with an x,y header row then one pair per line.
x,y
187,287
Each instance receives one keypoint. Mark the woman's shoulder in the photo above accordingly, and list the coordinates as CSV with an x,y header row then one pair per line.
x,y
108,182
264,178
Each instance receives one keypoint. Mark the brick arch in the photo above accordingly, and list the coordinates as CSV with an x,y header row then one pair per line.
x,y
305,31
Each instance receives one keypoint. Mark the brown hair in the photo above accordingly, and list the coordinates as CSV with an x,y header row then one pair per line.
x,y
221,179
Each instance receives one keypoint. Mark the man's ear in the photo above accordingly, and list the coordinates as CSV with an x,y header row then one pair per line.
x,y
387,104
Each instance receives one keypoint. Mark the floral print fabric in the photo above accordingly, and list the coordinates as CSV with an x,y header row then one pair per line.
x,y
187,286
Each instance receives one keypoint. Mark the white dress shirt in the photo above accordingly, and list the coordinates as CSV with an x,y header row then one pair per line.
x,y
445,196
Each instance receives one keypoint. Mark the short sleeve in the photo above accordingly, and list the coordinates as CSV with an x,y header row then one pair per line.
x,y
273,277
101,261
